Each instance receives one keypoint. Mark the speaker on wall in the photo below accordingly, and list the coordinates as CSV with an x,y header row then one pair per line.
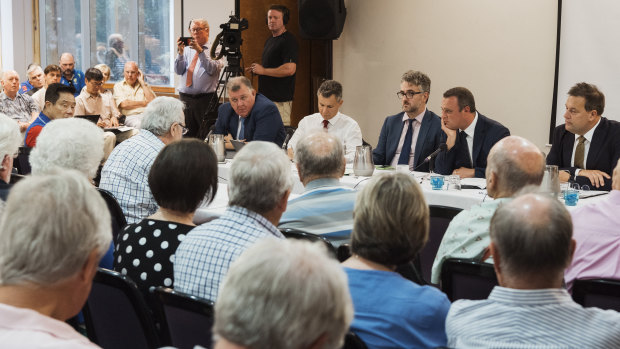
x,y
321,19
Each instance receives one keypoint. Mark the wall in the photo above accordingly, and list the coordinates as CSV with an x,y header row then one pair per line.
x,y
503,51
16,30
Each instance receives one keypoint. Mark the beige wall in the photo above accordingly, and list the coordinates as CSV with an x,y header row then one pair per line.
x,y
502,50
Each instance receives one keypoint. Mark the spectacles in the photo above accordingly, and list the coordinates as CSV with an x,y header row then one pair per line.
x,y
196,30
183,128
96,83
409,94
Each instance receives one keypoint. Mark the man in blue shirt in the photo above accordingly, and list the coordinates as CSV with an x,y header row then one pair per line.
x,y
35,80
70,76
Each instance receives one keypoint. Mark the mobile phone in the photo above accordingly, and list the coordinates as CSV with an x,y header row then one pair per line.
x,y
186,40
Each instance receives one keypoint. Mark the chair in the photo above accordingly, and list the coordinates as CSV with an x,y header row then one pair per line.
x,y
343,252
600,293
302,235
16,178
116,314
21,162
467,279
353,341
290,130
118,218
186,320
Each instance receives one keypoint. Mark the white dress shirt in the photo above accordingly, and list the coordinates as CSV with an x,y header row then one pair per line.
x,y
417,123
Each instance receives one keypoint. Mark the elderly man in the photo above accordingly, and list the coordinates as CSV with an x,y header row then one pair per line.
x,y
325,207
248,116
587,146
71,76
19,107
408,138
42,287
329,119
125,174
10,139
513,164
469,136
36,80
132,95
258,190
59,104
269,271
531,241
52,76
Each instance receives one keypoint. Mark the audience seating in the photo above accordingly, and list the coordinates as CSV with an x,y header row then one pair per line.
x,y
600,293
467,279
353,341
118,218
185,320
21,162
116,314
302,235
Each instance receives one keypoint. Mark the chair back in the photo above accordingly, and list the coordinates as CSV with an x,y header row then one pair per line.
x,y
290,130
353,341
600,293
118,218
467,279
302,235
22,163
187,320
116,314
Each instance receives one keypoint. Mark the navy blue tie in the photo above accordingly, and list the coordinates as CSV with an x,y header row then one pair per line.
x,y
406,149
465,148
242,129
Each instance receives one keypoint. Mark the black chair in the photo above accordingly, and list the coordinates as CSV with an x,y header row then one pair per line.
x,y
290,130
467,279
185,320
116,315
118,218
353,341
16,178
600,293
21,162
343,252
302,235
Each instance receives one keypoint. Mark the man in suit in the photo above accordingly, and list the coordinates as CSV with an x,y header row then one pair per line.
x,y
408,138
587,147
248,116
467,149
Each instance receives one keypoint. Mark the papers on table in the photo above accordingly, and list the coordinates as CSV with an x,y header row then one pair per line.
x,y
479,183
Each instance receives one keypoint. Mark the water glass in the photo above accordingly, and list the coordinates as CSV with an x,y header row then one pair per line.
x,y
571,196
454,182
437,182
402,168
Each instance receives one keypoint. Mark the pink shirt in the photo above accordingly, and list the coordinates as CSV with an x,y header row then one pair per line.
x,y
598,240
414,138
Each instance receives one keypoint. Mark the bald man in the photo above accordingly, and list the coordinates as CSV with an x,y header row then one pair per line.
x,y
513,163
71,76
132,95
19,107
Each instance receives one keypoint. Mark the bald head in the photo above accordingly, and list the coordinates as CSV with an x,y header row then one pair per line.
x,y
131,72
319,155
513,163
10,82
67,63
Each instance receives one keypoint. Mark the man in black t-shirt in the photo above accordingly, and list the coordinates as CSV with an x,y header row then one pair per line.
x,y
276,74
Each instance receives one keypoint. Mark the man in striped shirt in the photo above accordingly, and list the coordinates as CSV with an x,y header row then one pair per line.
x,y
532,244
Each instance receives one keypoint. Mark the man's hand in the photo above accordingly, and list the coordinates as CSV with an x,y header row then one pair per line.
x,y
140,77
597,178
193,44
465,172
23,126
180,46
564,176
257,69
114,121
451,139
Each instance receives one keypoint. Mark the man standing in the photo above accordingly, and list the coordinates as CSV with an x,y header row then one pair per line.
x,y
52,76
132,95
200,74
467,149
587,147
408,138
248,116
70,76
276,75
59,104
36,80
329,119
18,107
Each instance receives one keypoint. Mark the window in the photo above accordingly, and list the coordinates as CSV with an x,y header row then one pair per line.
x,y
111,32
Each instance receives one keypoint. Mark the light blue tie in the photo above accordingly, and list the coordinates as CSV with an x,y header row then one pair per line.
x,y
241,134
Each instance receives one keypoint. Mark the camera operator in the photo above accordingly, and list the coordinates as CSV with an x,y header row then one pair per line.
x,y
197,87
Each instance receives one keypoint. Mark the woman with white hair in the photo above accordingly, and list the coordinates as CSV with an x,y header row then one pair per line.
x,y
10,139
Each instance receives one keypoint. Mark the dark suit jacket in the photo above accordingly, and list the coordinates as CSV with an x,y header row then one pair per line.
x,y
486,134
428,139
262,124
603,154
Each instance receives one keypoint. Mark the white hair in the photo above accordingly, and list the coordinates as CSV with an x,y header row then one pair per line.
x,y
284,294
161,113
259,177
68,143
32,68
49,227
10,138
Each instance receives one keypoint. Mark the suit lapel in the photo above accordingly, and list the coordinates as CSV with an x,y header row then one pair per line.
x,y
568,143
398,130
481,129
598,138
419,144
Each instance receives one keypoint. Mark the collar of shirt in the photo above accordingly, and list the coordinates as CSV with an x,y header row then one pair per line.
x,y
259,219
322,182
471,129
332,121
418,117
135,87
529,297
43,119
588,135
90,95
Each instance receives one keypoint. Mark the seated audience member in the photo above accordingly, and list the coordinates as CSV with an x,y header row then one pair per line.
x,y
105,70
36,80
598,238
52,76
59,104
329,119
531,242
183,175
132,95
513,164
417,129
267,302
125,174
390,227
19,107
48,258
71,76
469,136
248,116
260,183
587,146
10,139
325,207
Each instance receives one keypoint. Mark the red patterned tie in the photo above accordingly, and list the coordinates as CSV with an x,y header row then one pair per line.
x,y
190,70
325,123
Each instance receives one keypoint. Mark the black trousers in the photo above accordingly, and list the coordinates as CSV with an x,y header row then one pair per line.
x,y
197,113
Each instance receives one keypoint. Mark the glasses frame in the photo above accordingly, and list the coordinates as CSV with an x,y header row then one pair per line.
x,y
409,94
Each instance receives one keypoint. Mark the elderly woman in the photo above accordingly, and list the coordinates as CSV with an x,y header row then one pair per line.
x,y
183,176
391,222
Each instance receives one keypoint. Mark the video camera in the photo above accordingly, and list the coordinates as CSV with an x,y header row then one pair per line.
x,y
230,41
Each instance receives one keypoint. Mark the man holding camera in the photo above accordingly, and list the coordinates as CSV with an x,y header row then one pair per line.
x,y
200,74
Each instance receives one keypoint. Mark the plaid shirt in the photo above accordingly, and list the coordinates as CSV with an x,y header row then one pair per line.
x,y
19,109
126,173
203,258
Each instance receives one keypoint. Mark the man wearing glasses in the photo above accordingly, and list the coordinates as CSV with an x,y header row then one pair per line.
x,y
409,137
200,74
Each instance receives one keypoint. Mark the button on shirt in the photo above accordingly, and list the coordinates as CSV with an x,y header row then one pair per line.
x,y
18,109
206,72
588,136
101,104
414,138
470,131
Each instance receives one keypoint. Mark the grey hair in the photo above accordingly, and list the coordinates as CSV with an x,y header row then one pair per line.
x,y
532,235
234,84
3,73
329,88
417,78
284,294
513,159
66,220
10,137
161,114
202,21
68,143
259,177
320,154
32,68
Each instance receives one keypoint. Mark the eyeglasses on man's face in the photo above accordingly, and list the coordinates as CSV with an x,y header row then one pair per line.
x,y
409,94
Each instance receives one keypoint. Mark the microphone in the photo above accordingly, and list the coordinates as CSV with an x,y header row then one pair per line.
x,y
441,148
